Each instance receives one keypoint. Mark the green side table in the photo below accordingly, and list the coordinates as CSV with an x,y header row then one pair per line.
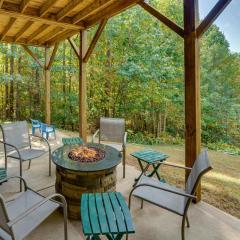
x,y
150,158
72,141
105,214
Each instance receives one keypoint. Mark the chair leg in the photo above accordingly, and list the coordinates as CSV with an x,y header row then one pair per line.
x,y
50,165
188,224
124,162
29,164
141,204
183,227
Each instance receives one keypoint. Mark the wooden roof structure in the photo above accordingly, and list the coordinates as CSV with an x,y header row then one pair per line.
x,y
45,23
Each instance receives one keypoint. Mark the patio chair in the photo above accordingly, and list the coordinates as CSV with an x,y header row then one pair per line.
x,y
170,197
112,132
17,144
47,129
20,216
35,125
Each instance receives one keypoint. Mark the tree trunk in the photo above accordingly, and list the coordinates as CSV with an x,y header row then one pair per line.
x,y
6,89
18,116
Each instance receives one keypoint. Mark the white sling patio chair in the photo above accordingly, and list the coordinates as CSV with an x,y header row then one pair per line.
x,y
170,197
20,216
17,144
112,132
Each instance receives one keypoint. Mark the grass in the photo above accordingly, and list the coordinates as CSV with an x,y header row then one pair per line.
x,y
220,187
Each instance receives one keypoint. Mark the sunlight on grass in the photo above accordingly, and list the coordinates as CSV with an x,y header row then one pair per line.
x,y
224,178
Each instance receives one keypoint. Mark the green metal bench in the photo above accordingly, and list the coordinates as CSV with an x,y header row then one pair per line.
x,y
105,214
72,141
3,175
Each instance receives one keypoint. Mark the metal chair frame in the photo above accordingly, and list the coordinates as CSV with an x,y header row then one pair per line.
x,y
10,223
189,197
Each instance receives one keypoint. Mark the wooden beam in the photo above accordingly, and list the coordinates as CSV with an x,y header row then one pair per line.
x,y
1,3
192,86
23,30
109,11
74,47
60,37
50,35
49,65
33,56
82,87
91,9
47,88
22,41
212,16
69,8
24,4
8,27
177,29
40,20
46,7
37,32
95,39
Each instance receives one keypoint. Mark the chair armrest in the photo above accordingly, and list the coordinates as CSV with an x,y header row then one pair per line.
x,y
12,146
94,135
164,189
37,205
176,166
125,139
21,179
42,138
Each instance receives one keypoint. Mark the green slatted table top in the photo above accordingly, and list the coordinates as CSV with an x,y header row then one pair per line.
x,y
105,214
72,141
3,175
149,156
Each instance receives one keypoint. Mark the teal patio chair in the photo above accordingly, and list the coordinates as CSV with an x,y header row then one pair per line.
x,y
46,130
35,125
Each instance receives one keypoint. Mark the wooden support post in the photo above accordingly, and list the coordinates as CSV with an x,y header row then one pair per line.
x,y
192,85
82,87
47,87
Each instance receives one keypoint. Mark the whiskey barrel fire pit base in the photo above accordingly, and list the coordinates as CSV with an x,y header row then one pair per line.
x,y
73,184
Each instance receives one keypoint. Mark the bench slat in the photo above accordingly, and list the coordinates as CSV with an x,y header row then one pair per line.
x,y
110,216
101,214
85,215
126,213
93,214
118,213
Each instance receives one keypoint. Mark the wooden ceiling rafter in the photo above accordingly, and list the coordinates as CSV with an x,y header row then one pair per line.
x,y
1,3
69,8
46,7
23,30
37,32
91,9
24,4
50,35
8,27
110,11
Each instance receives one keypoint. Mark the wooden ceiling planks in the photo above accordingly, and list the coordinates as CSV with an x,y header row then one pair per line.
x,y
45,22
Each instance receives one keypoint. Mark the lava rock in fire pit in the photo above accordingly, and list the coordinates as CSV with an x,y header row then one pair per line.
x,y
86,154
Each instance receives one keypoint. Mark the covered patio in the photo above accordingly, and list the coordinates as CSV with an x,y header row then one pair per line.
x,y
150,222
46,23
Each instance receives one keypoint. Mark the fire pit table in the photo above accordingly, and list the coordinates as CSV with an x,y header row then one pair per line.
x,y
82,169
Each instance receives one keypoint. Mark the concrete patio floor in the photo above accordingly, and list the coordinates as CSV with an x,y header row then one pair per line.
x,y
151,222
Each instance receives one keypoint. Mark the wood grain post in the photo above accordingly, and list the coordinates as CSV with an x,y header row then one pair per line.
x,y
47,87
192,85
82,87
